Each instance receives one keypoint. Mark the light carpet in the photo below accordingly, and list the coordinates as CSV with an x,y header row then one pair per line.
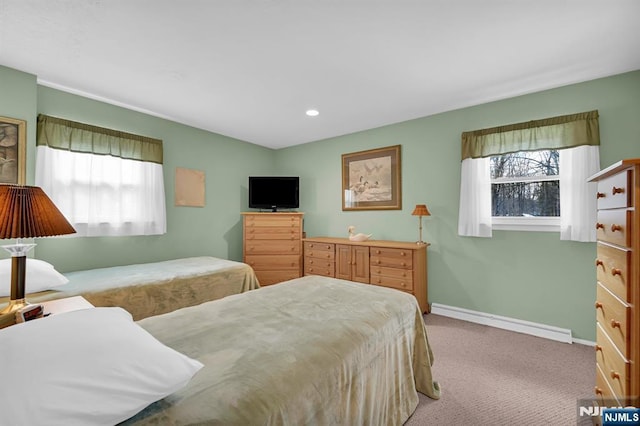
x,y
491,376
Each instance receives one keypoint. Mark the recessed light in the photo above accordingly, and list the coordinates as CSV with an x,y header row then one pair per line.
x,y
312,112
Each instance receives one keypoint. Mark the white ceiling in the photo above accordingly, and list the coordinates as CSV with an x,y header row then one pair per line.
x,y
250,68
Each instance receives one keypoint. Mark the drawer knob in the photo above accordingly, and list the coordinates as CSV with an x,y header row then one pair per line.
x,y
615,324
402,253
615,375
311,262
310,269
597,390
403,284
601,195
328,247
328,255
311,245
616,190
377,251
615,228
598,305
598,348
599,263
599,225
616,271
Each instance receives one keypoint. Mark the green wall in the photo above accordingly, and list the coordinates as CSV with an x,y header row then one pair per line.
x,y
525,275
531,276
215,229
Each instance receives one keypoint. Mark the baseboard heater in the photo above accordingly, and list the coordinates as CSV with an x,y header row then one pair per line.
x,y
506,323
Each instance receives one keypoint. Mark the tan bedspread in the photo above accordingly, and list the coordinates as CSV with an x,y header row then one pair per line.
x,y
310,351
156,288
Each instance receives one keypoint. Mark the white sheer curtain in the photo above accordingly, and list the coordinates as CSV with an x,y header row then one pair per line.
x,y
102,195
577,197
474,218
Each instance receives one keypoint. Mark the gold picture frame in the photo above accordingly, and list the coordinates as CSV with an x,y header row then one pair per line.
x,y
371,180
13,151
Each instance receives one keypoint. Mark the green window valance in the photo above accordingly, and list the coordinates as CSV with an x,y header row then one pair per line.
x,y
566,131
72,136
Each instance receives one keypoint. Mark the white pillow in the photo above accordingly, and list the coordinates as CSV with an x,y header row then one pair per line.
x,y
88,367
39,276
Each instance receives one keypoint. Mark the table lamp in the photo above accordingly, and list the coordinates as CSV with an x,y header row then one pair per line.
x,y
26,212
421,210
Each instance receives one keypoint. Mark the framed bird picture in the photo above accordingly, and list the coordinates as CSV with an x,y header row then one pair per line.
x,y
371,180
13,151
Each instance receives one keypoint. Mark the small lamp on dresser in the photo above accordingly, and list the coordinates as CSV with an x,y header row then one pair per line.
x,y
421,210
26,212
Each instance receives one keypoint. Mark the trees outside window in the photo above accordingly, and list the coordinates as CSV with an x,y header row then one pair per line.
x,y
526,184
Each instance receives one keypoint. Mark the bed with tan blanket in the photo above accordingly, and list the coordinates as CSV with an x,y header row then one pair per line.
x,y
310,351
155,288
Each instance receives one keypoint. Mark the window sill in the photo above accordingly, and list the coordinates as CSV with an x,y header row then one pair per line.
x,y
529,224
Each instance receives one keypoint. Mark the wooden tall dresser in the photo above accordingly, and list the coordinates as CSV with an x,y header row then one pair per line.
x,y
272,245
618,284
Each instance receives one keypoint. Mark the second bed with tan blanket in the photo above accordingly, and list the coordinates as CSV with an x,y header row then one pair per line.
x,y
310,351
155,288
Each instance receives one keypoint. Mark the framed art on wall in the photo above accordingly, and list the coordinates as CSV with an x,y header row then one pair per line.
x,y
13,151
190,185
371,180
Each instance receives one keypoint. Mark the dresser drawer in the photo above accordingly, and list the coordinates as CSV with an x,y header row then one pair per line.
x,y
615,191
313,266
271,247
399,283
603,391
275,277
614,226
317,247
614,366
391,257
319,254
384,271
613,315
272,220
612,269
274,262
254,233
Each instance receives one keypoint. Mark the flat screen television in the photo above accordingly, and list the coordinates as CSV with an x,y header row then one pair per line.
x,y
274,192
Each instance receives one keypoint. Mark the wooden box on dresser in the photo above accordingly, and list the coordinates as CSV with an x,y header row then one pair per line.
x,y
272,245
618,284
394,264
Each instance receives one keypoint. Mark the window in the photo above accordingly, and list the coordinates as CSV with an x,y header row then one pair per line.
x,y
531,176
101,180
525,190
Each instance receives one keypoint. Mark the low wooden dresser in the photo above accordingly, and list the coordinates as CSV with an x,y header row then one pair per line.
x,y
617,267
272,245
394,264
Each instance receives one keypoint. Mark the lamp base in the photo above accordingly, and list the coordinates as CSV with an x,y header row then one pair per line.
x,y
14,306
420,243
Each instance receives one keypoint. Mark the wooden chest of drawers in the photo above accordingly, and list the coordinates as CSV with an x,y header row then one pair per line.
x,y
617,267
393,264
272,245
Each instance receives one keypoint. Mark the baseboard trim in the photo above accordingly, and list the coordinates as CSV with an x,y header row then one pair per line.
x,y
506,323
